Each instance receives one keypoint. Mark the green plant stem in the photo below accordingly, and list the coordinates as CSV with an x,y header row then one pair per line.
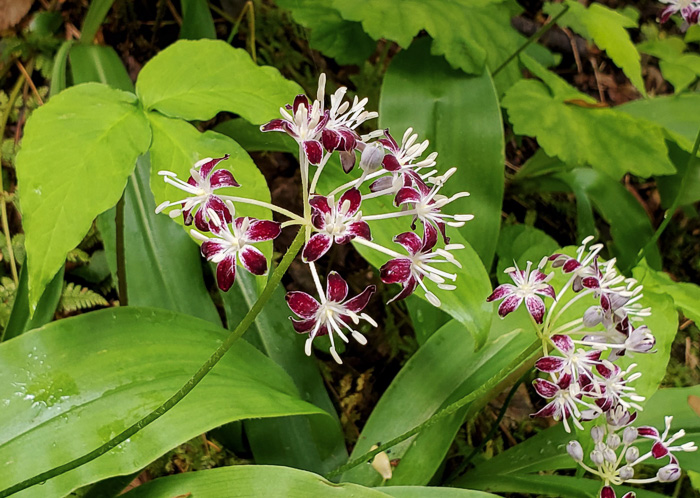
x,y
445,412
668,215
8,238
530,40
121,254
492,432
247,8
184,390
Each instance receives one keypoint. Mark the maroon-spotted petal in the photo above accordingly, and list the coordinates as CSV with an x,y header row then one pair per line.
x,y
607,492
410,241
549,410
226,272
358,303
302,326
349,139
389,141
546,291
535,306
347,160
261,230
317,246
336,287
406,194
330,139
208,166
501,291
667,13
253,260
429,237
658,450
509,305
396,271
300,100
214,203
408,289
630,494
278,125
607,372
545,388
550,364
650,432
571,265
359,229
390,163
313,151
563,343
320,203
302,304
383,183
353,198
223,178
590,282
211,249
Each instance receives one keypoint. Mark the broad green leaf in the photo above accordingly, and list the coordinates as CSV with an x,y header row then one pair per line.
x,y
178,145
309,443
685,295
539,164
250,481
58,73
163,265
519,244
252,139
77,153
549,485
607,29
197,21
78,382
461,117
335,37
420,389
99,64
679,69
197,79
431,492
677,114
606,139
469,33
426,318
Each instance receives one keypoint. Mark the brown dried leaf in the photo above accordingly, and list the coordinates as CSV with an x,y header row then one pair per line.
x,y
694,403
12,12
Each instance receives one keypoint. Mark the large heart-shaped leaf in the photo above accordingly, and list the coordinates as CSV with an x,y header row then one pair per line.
x,y
75,383
197,79
77,153
461,117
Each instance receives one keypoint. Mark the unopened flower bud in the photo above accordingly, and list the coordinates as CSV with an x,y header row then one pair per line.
x,y
575,450
669,473
597,457
629,435
632,454
592,316
609,455
626,472
371,158
597,434
613,441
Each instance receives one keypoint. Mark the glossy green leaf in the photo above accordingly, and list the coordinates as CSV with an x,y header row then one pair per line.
x,y
520,244
606,139
197,21
99,64
426,318
607,28
163,265
58,73
685,295
461,117
420,389
93,19
677,114
250,481
310,443
73,165
678,68
178,145
345,41
470,34
197,79
431,492
76,383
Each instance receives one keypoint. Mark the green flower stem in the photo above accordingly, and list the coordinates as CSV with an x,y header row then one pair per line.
x,y
445,412
676,201
184,390
530,40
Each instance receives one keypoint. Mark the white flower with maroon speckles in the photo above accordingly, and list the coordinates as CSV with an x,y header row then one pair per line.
x,y
202,183
577,363
333,315
689,9
564,396
529,285
232,242
339,223
410,271
663,443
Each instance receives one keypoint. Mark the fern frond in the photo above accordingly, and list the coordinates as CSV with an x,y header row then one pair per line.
x,y
76,297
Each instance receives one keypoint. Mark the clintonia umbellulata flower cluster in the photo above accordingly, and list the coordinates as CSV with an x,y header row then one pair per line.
x,y
582,380
688,9
387,168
